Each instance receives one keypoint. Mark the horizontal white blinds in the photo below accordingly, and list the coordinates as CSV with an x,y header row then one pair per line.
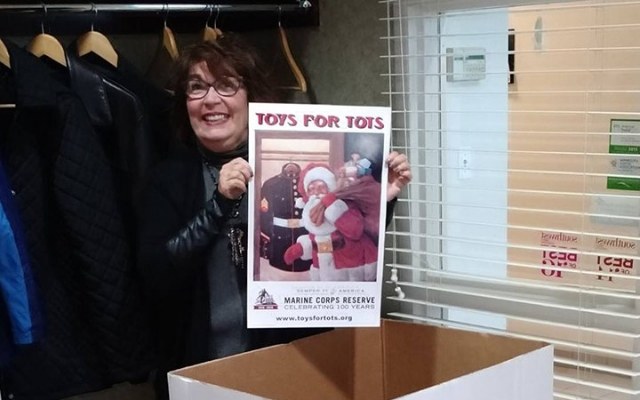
x,y
522,123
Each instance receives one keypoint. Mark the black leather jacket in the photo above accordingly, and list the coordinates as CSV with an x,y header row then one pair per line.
x,y
129,113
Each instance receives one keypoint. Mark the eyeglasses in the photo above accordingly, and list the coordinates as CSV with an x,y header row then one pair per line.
x,y
226,86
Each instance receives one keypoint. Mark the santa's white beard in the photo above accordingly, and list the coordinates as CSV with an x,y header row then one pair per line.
x,y
323,229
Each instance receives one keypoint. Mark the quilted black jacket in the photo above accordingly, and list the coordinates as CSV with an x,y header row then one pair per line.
x,y
95,330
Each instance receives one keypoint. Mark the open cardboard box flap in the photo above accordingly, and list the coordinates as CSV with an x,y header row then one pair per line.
x,y
389,362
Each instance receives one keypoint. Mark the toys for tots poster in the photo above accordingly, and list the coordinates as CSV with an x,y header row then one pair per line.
x,y
318,214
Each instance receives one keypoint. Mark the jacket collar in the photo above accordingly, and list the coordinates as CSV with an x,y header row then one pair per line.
x,y
90,87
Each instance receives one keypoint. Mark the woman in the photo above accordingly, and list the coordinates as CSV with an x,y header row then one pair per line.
x,y
194,209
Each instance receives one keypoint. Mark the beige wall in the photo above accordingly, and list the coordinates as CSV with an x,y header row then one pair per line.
x,y
342,56
559,81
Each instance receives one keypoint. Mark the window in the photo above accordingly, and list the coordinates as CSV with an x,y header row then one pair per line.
x,y
524,214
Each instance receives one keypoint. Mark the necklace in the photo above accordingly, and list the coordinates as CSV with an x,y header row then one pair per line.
x,y
235,233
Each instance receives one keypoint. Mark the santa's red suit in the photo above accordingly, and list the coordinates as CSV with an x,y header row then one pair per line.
x,y
339,248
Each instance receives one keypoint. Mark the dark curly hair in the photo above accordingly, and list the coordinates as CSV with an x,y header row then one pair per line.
x,y
229,55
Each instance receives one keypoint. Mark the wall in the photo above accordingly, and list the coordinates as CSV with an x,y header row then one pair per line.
x,y
342,56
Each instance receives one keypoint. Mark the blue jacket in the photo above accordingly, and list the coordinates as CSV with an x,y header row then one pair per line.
x,y
20,316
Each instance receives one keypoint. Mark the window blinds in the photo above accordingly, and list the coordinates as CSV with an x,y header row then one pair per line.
x,y
522,123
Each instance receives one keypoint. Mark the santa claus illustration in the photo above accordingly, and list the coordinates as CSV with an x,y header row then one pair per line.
x,y
337,244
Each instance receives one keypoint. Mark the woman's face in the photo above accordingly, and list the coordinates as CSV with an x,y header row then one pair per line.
x,y
220,123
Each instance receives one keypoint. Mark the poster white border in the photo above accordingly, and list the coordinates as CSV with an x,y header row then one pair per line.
x,y
309,303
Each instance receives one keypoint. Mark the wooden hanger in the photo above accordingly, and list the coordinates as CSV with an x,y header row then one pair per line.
x,y
169,43
44,44
168,39
297,73
210,34
98,44
218,31
5,59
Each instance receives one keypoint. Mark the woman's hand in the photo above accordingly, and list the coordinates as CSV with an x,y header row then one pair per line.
x,y
399,174
234,177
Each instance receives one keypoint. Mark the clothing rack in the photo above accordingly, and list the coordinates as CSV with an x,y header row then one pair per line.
x,y
68,18
158,7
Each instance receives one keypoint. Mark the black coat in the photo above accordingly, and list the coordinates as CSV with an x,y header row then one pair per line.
x,y
95,330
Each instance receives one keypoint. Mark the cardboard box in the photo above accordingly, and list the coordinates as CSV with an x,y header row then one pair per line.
x,y
397,360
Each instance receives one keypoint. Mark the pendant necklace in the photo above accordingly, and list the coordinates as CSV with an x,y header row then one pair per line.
x,y
235,234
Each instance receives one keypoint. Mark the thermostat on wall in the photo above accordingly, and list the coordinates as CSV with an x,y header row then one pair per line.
x,y
466,64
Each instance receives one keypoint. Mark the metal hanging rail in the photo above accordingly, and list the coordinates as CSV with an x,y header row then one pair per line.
x,y
70,18
159,7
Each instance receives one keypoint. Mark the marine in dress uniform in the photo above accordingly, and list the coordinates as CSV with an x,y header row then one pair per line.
x,y
280,224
